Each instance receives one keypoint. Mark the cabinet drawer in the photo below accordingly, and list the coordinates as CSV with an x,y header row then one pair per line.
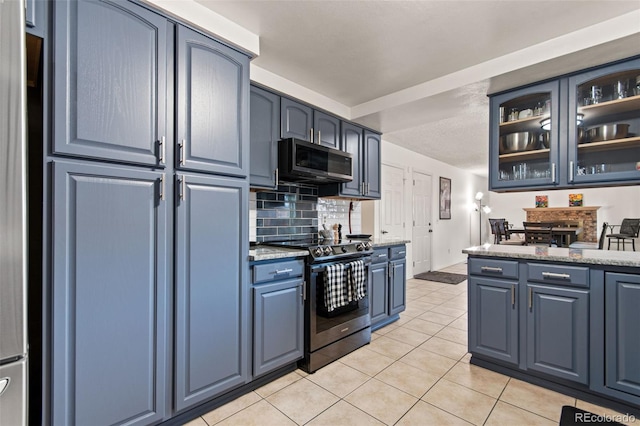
x,y
398,252
277,270
380,255
494,268
577,276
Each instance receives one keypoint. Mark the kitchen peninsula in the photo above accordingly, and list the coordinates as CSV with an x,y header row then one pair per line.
x,y
562,318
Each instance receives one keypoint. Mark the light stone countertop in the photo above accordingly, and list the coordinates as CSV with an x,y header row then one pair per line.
x,y
265,252
558,254
257,254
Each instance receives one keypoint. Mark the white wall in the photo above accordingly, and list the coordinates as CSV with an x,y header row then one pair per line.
x,y
449,237
616,203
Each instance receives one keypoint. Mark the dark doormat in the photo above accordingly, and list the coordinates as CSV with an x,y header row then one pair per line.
x,y
572,416
441,277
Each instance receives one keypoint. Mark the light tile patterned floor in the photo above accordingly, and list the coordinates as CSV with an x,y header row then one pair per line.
x,y
416,371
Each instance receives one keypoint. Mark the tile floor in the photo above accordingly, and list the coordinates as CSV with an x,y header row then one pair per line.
x,y
416,371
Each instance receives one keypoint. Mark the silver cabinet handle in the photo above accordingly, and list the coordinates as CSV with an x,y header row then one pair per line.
x,y
382,255
181,145
367,193
553,172
183,188
319,138
530,298
162,187
571,171
556,276
161,153
402,252
491,269
311,135
277,173
283,271
513,295
303,293
362,190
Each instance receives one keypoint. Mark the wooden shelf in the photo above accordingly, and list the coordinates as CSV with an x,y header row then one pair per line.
x,y
610,145
537,209
529,123
525,155
617,106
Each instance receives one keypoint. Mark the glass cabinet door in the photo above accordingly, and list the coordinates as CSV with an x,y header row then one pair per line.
x,y
524,137
604,124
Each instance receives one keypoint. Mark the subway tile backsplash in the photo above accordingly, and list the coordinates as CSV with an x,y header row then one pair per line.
x,y
296,211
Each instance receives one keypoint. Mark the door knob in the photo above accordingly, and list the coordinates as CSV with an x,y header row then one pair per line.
x,y
384,232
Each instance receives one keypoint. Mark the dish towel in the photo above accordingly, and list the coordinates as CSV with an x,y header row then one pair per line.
x,y
356,280
335,287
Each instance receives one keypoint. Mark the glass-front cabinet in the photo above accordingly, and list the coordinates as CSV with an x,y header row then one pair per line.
x,y
579,130
525,137
604,129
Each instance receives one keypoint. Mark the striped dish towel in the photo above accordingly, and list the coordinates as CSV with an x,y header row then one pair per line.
x,y
356,280
335,287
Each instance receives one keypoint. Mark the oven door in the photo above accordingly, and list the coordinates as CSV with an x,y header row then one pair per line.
x,y
329,327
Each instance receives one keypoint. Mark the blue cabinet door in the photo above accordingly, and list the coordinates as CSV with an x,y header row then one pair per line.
x,y
296,120
558,332
622,340
371,164
110,295
493,318
278,325
110,81
352,137
379,298
211,287
327,129
265,133
212,114
397,287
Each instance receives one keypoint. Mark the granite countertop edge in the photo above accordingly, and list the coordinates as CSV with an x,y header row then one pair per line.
x,y
271,253
258,254
558,254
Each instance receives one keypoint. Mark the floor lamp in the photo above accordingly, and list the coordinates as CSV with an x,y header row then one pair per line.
x,y
481,208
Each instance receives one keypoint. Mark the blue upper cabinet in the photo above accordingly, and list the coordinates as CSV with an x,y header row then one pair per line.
x,y
352,137
579,130
524,138
327,129
296,120
265,133
34,17
604,125
371,164
212,116
110,295
303,122
110,81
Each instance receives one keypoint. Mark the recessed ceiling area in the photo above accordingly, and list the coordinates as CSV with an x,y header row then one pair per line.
x,y
420,71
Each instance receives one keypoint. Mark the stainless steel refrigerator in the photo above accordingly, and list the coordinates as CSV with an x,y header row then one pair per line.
x,y
13,231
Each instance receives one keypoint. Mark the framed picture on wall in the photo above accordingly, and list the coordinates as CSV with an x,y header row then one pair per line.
x,y
445,198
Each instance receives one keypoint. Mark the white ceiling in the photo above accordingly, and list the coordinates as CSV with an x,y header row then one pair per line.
x,y
419,71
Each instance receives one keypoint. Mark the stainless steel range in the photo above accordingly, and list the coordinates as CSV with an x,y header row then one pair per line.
x,y
332,332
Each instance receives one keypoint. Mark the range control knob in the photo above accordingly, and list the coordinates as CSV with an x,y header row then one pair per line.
x,y
368,245
317,251
360,247
327,250
344,249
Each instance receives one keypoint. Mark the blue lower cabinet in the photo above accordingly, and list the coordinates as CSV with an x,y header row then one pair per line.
x,y
622,339
109,295
493,318
379,297
211,287
397,290
558,332
278,324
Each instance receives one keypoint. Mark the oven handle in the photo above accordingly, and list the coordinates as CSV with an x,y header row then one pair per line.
x,y
320,267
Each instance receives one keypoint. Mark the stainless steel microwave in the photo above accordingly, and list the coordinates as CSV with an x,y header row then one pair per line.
x,y
302,161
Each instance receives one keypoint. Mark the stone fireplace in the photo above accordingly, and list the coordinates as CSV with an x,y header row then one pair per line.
x,y
587,218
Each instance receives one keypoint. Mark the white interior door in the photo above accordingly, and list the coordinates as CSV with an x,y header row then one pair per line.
x,y
421,235
392,202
